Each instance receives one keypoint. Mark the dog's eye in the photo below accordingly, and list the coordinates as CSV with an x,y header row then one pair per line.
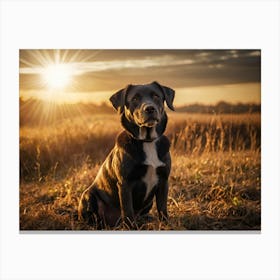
x,y
156,97
135,98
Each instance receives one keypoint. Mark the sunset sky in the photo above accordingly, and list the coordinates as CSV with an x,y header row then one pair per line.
x,y
197,76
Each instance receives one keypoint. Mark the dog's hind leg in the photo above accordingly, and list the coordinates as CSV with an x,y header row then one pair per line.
x,y
88,207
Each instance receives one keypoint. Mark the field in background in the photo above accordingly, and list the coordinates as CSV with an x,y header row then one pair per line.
x,y
215,180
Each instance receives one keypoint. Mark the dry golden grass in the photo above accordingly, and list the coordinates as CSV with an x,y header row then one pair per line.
x,y
214,182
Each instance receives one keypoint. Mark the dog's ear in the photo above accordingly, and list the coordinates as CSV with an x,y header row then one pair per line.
x,y
168,93
118,99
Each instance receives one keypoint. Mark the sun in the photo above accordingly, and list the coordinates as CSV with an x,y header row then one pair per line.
x,y
57,75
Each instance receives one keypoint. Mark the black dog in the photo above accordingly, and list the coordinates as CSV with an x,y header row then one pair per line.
x,y
138,167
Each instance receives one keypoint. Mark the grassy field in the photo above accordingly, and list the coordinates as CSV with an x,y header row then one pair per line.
x,y
215,182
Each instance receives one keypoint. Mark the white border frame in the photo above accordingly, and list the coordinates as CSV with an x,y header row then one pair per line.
x,y
146,24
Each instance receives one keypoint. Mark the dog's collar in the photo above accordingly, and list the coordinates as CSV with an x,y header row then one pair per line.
x,y
144,135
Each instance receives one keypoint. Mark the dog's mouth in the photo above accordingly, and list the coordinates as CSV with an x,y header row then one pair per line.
x,y
150,122
146,119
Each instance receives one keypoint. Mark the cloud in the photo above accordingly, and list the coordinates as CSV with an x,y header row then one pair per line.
x,y
80,68
255,53
96,70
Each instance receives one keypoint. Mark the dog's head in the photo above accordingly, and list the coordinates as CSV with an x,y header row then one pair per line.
x,y
142,109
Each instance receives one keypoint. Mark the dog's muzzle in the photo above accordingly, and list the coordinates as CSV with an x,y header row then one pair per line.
x,y
150,115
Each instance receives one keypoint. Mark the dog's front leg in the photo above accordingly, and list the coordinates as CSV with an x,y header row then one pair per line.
x,y
125,196
161,200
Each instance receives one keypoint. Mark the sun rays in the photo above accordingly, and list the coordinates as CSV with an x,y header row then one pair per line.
x,y
57,76
51,75
199,76
52,82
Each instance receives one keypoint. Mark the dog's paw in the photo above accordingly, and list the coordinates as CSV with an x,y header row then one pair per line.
x,y
129,223
163,216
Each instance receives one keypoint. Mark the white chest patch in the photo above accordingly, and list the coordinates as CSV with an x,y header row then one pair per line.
x,y
152,160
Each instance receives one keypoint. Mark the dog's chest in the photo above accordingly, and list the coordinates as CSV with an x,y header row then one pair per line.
x,y
152,161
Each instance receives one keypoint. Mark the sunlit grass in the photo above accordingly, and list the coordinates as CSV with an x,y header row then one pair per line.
x,y
214,182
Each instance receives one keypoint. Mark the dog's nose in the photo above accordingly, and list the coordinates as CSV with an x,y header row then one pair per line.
x,y
149,110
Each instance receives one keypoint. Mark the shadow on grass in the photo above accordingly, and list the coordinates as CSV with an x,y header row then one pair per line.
x,y
63,219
